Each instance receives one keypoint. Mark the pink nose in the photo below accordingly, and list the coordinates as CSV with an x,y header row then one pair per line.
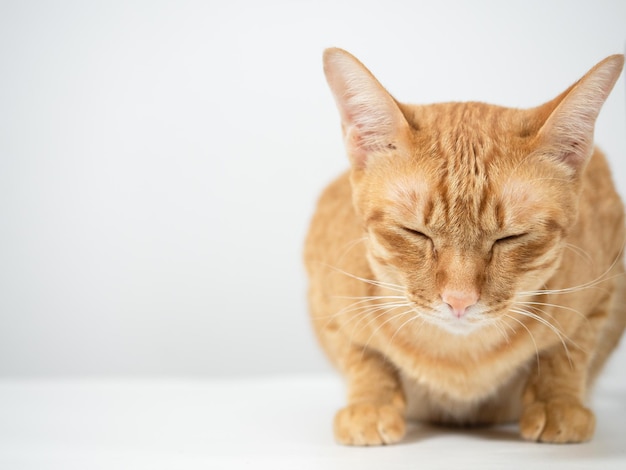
x,y
459,301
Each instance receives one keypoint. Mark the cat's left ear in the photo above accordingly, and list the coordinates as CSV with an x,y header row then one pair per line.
x,y
567,133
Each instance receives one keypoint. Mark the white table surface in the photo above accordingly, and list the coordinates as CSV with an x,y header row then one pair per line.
x,y
259,423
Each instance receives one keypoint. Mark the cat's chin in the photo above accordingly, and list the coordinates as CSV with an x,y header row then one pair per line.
x,y
457,326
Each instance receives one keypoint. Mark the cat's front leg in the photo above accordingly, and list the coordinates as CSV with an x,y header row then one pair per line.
x,y
553,409
553,402
376,405
557,420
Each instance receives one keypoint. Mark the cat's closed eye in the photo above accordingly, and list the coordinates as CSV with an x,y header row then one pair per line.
x,y
416,233
511,238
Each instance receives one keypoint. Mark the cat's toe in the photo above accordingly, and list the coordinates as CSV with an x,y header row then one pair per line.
x,y
557,422
366,424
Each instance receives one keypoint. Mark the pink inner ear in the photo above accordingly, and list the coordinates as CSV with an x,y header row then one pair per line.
x,y
354,146
564,147
364,141
576,153
567,134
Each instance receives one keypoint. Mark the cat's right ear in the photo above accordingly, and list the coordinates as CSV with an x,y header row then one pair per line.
x,y
372,122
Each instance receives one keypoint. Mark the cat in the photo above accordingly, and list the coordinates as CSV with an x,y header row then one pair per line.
x,y
467,269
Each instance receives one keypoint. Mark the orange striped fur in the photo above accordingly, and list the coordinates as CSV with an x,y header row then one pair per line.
x,y
468,268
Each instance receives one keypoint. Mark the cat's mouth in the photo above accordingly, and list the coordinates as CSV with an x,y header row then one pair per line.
x,y
474,319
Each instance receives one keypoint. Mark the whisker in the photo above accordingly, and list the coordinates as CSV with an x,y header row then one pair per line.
x,y
366,298
351,245
539,311
569,290
593,283
361,311
385,311
495,322
580,252
386,285
393,317
562,337
363,304
375,307
557,328
414,317
532,339
529,304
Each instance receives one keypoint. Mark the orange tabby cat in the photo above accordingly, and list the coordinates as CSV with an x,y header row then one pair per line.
x,y
468,269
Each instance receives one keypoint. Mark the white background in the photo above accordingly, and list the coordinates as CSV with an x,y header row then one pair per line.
x,y
159,161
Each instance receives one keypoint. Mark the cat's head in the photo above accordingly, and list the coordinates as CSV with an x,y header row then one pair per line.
x,y
465,205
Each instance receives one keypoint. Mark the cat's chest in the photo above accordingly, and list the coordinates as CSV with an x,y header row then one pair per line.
x,y
459,372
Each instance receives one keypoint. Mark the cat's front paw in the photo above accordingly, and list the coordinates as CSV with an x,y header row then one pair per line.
x,y
558,421
366,424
